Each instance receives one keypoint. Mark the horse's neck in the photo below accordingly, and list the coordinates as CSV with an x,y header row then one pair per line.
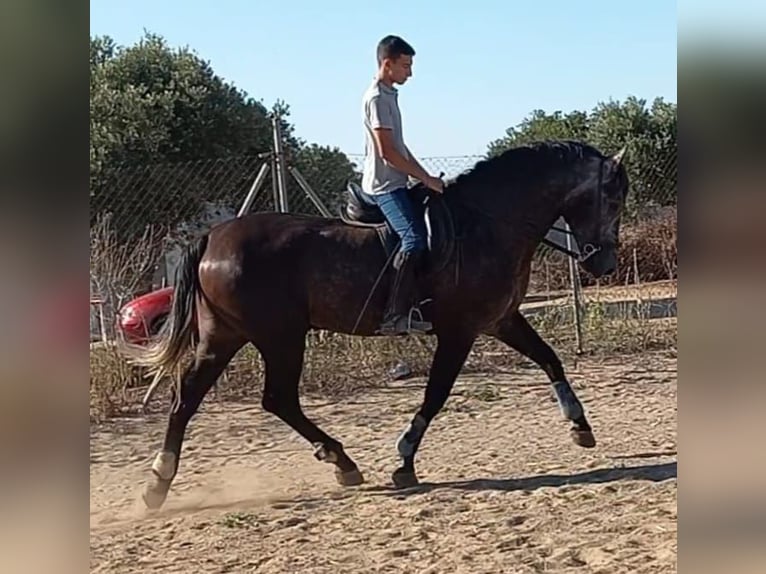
x,y
522,220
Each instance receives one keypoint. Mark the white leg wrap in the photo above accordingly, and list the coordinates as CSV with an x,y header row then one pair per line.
x,y
164,465
568,403
323,454
409,438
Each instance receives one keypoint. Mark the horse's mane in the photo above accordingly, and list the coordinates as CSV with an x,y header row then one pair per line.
x,y
521,164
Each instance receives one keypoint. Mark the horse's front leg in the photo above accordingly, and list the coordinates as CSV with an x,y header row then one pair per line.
x,y
516,332
451,352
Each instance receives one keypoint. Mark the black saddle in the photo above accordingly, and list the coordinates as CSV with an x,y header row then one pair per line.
x,y
361,211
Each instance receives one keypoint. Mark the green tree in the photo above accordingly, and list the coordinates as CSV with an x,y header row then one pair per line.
x,y
157,113
649,132
150,102
540,126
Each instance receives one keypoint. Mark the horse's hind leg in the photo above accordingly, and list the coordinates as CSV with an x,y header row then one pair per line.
x,y
516,332
210,360
283,359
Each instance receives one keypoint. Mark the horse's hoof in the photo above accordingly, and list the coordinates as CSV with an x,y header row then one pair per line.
x,y
583,438
349,478
404,478
154,494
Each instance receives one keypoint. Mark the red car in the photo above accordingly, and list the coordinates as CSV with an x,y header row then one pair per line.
x,y
143,316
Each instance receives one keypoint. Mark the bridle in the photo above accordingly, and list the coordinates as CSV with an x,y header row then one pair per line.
x,y
588,250
591,248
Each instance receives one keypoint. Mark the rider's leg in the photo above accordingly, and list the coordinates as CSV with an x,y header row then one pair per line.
x,y
399,211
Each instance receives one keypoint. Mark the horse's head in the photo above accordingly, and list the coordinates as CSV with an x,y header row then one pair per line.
x,y
593,209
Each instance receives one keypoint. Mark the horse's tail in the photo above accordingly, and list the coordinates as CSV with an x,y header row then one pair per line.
x,y
162,356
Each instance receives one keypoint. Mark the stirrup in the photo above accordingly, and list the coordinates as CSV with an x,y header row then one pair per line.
x,y
399,325
405,324
422,324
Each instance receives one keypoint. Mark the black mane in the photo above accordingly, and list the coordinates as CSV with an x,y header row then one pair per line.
x,y
524,162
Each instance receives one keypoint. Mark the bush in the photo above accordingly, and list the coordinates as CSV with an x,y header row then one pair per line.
x,y
648,249
648,253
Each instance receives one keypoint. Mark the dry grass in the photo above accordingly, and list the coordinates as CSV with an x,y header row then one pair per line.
x,y
340,366
113,382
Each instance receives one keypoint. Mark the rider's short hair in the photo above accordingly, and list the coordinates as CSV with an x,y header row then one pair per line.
x,y
392,47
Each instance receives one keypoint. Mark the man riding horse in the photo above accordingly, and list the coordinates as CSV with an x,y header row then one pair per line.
x,y
387,164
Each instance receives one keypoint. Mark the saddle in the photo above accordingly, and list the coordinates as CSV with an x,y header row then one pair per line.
x,y
361,211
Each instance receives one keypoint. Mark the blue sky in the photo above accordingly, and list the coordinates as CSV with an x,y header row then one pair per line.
x,y
480,67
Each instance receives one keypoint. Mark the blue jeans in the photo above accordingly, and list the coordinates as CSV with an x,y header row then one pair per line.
x,y
398,209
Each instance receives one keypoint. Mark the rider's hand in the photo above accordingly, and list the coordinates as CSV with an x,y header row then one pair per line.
x,y
435,183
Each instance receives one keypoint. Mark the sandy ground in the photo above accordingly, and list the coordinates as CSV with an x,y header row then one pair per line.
x,y
504,489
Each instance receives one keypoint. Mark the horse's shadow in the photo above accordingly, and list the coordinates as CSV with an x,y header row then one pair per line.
x,y
649,472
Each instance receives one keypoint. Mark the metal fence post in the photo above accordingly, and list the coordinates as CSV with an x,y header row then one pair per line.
x,y
281,168
576,295
254,190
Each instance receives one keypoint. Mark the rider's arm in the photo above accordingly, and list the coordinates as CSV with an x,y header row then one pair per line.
x,y
414,159
391,155
382,124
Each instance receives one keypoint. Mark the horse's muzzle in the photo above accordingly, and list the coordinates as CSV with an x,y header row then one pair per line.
x,y
601,263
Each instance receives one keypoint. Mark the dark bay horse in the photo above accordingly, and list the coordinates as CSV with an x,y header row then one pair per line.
x,y
269,278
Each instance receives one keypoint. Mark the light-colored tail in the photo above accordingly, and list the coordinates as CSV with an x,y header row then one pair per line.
x,y
162,356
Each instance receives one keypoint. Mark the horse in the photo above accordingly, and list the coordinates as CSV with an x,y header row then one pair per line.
x,y
268,278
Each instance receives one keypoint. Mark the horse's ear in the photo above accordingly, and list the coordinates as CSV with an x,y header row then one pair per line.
x,y
617,158
614,162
